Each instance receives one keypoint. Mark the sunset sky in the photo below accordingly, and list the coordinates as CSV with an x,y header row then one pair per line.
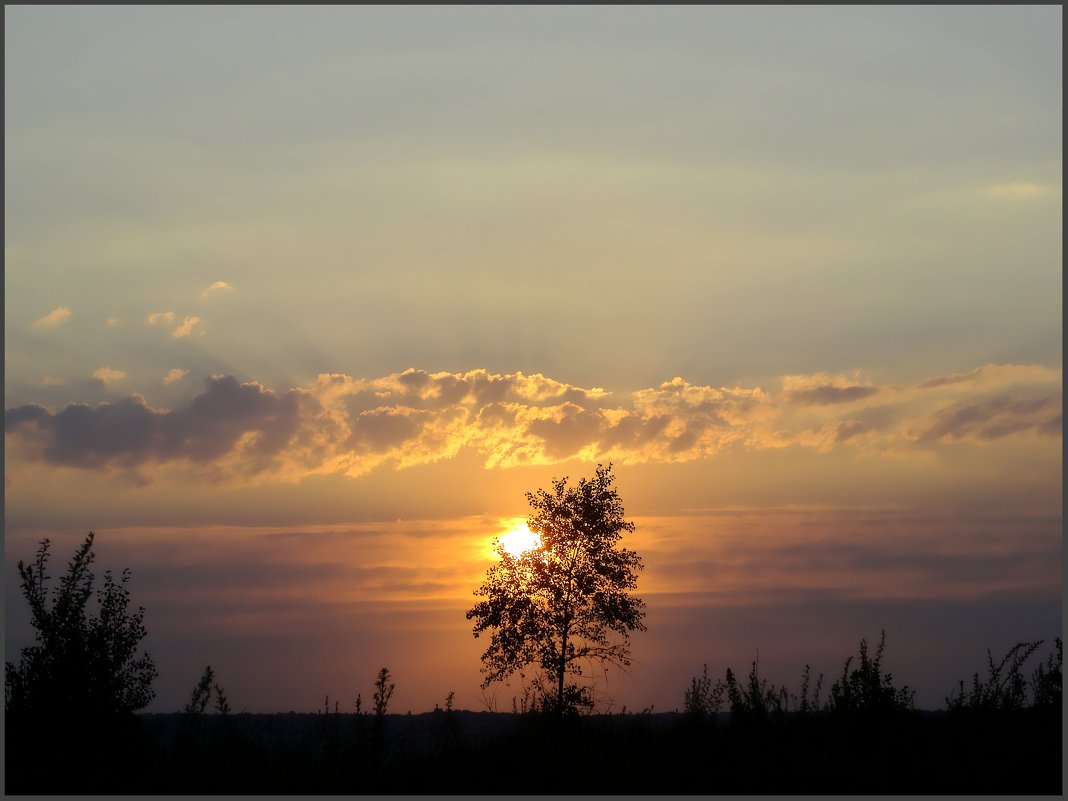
x,y
299,302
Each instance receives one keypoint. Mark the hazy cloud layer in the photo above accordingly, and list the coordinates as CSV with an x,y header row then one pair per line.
x,y
341,424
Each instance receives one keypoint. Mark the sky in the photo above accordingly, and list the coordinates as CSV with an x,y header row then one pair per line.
x,y
300,302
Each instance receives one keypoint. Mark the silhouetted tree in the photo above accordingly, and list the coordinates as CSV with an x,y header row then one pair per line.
x,y
80,662
565,602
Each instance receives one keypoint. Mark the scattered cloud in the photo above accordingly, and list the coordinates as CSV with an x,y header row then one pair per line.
x,y
113,322
347,425
107,374
174,375
49,381
186,328
55,317
160,317
218,286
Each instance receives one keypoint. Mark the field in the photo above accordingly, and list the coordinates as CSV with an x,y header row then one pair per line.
x,y
962,752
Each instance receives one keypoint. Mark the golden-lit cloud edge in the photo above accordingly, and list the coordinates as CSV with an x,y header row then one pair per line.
x,y
217,287
240,432
54,318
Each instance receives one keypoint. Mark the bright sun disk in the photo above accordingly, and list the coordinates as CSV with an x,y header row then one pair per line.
x,y
519,540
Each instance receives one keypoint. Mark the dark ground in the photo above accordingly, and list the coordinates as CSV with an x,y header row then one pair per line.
x,y
497,753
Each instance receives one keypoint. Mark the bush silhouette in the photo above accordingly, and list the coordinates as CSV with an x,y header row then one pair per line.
x,y
704,698
1005,686
383,692
201,694
866,688
1046,680
80,662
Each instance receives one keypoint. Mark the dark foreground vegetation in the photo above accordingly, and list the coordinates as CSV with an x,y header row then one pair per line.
x,y
72,727
1003,752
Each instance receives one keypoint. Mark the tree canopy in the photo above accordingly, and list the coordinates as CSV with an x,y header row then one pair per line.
x,y
565,604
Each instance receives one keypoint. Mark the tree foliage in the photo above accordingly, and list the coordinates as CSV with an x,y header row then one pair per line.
x,y
567,603
80,663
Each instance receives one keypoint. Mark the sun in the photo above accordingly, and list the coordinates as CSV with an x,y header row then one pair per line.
x,y
519,540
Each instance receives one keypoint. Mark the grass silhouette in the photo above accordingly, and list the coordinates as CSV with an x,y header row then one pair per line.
x,y
733,736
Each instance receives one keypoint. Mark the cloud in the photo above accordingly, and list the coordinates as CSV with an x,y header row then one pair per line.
x,y
928,554
218,286
113,322
822,389
186,328
245,422
341,424
107,374
174,375
1017,190
55,317
829,394
990,419
849,429
955,378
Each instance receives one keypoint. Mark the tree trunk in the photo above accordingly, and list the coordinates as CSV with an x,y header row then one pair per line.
x,y
560,675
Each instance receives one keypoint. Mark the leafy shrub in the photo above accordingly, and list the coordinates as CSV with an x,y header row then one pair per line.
x,y
756,699
867,688
1046,680
703,699
198,702
539,696
383,692
80,662
804,705
1005,686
